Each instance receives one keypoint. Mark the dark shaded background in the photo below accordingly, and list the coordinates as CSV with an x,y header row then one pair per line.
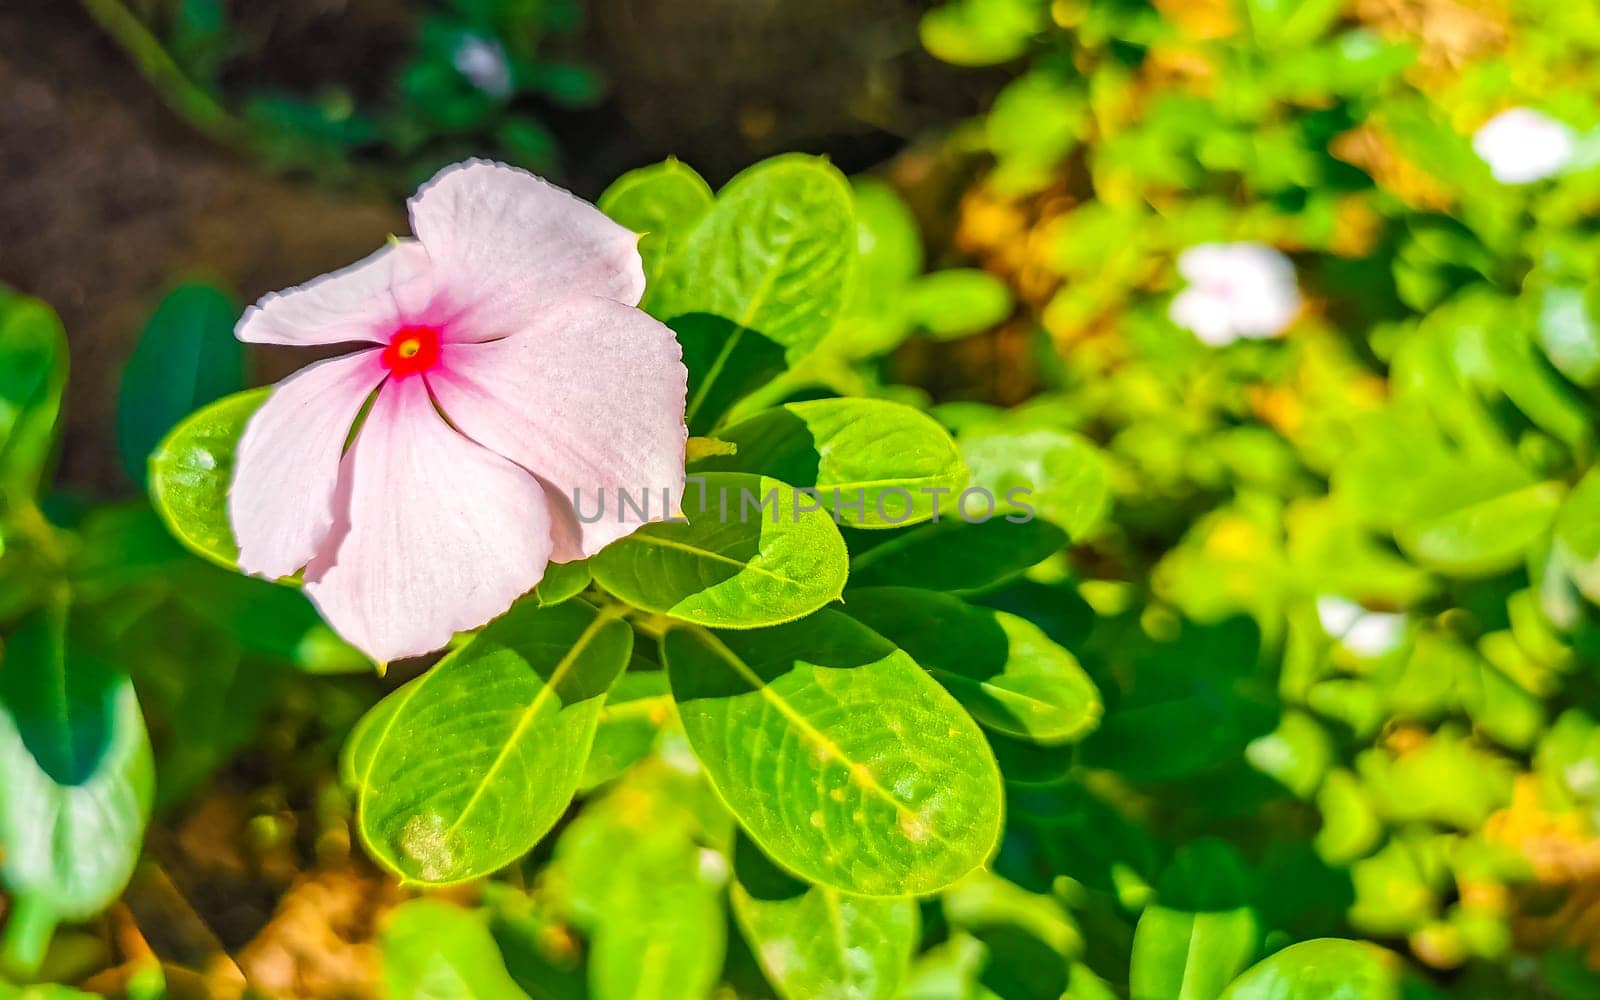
x,y
107,197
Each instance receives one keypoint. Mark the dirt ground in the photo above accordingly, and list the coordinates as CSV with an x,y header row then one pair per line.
x,y
107,198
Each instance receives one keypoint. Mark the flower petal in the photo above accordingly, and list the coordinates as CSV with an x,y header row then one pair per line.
x,y
287,466
366,301
506,242
588,397
438,534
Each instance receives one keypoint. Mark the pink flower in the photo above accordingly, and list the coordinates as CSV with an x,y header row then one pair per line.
x,y
1522,146
1236,290
510,368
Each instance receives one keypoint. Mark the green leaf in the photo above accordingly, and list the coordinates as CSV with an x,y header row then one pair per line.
x,y
191,470
1060,476
1278,23
955,556
636,708
1323,969
661,203
464,769
957,302
751,554
775,255
78,772
844,761
33,373
1002,668
562,582
1191,944
1576,541
981,32
1483,535
186,357
664,933
813,941
1189,956
1569,333
1031,937
887,238
873,463
435,951
949,971
725,364
639,869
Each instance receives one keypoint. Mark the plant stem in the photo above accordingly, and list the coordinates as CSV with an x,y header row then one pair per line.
x,y
180,93
27,936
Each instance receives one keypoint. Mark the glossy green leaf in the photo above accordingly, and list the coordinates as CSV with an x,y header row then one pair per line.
x,y
661,203
725,363
1180,955
955,556
751,554
636,708
191,470
1002,668
873,463
1199,935
1569,332
664,935
33,373
464,769
957,302
1483,535
561,582
1031,937
1060,476
981,32
1290,22
435,951
186,357
1323,969
844,761
775,255
78,772
641,871
949,971
813,941
887,238
1576,541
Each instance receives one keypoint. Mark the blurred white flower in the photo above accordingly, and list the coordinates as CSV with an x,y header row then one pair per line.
x,y
1522,146
483,62
1364,633
1235,290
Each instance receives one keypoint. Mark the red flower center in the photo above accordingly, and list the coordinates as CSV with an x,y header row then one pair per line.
x,y
412,350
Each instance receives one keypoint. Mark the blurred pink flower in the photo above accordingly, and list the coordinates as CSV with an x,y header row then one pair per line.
x,y
1522,146
1235,290
1369,634
509,367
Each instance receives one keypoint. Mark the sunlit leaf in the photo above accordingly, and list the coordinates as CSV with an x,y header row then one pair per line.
x,y
750,554
435,951
1002,668
814,941
873,463
844,761
191,470
463,770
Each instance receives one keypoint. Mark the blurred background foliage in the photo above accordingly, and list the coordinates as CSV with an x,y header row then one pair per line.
x,y
1336,590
